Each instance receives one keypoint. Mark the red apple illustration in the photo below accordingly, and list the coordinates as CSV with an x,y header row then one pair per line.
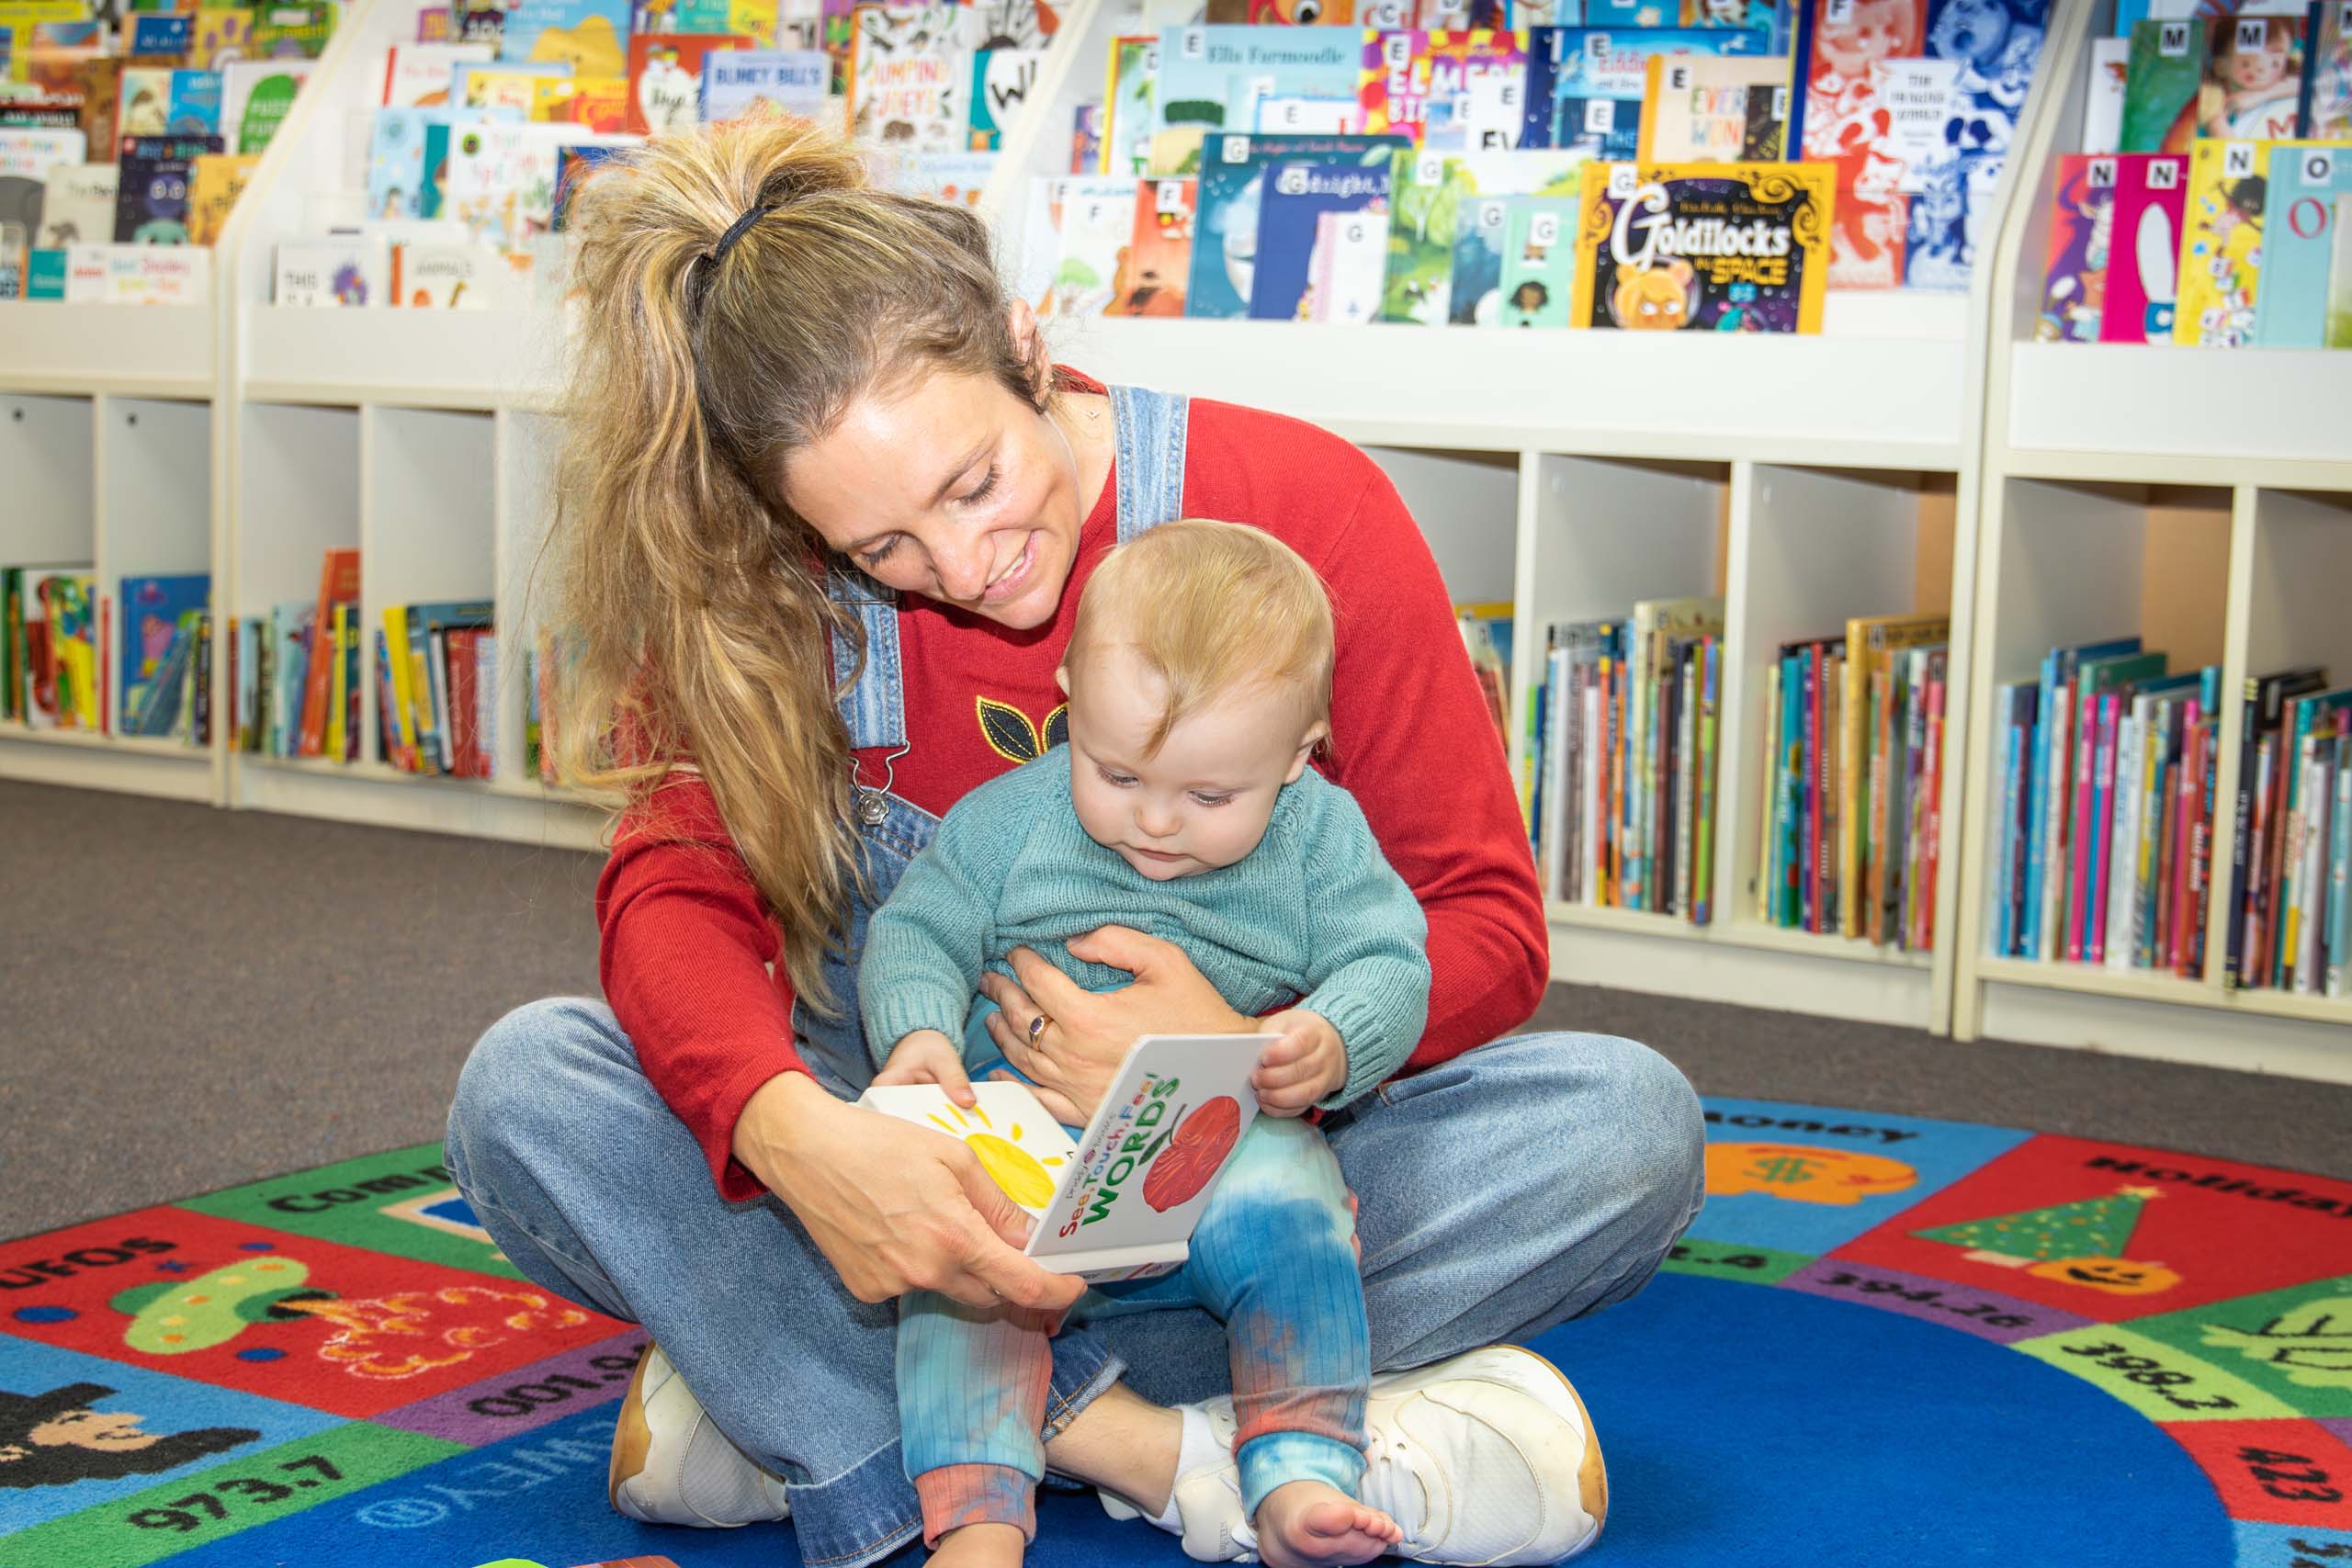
x,y
1194,1153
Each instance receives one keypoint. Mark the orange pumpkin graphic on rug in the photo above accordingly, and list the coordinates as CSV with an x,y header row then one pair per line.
x,y
1195,1151
2079,1242
2115,1276
1803,1173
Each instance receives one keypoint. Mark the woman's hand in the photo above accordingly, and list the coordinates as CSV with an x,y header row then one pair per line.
x,y
1089,1033
1309,1063
925,1056
893,1207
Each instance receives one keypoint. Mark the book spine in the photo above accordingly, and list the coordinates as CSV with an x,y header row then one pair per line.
x,y
2004,919
2251,959
1769,831
2295,833
1632,884
2084,764
1880,830
419,696
2283,779
2318,790
1792,770
2123,857
2339,873
1686,770
1906,914
2241,828
1853,679
1931,847
1809,766
1703,873
1593,764
1833,822
2020,892
2196,838
2057,773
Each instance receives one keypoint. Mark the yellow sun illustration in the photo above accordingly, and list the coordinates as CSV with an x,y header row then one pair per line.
x,y
1024,1175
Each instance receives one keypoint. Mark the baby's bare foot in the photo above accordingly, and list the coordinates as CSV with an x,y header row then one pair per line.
x,y
981,1546
1306,1522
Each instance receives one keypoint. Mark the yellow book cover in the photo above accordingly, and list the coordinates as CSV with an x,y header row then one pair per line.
x,y
339,687
20,17
592,103
502,90
756,19
214,182
1719,247
403,720
2221,241
1869,638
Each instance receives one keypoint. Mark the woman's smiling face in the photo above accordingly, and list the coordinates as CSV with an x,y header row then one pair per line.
x,y
949,485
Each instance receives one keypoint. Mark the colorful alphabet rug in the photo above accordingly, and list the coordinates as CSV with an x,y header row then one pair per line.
x,y
1885,1341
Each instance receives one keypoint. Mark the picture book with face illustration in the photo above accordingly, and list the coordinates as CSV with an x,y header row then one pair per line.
x,y
1719,247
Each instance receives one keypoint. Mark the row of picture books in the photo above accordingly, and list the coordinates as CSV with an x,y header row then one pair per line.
x,y
1622,759
136,129
2108,846
294,675
2208,205
1849,837
59,661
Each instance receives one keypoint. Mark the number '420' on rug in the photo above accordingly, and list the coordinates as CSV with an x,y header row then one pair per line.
x,y
1886,1340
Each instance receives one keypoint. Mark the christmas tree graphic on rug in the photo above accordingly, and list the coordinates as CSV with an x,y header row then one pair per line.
x,y
2080,1243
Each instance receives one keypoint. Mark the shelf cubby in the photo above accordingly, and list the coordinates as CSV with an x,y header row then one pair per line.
x,y
427,526
47,446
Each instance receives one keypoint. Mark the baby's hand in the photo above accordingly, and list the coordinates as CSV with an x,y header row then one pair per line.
x,y
1307,1064
928,1057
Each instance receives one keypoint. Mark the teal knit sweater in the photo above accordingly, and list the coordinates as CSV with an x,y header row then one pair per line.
x,y
1312,916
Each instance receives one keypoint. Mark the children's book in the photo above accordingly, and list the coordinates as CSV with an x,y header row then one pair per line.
x,y
503,85
1160,256
221,33
592,103
1228,204
2221,246
256,96
1473,291
2254,78
1097,221
2167,92
1723,247
78,205
1350,260
1585,84
159,38
416,75
2082,228
447,277
665,78
146,108
2339,278
215,181
1214,78
2305,185
1955,136
2324,105
957,178
783,81
195,105
502,181
1430,200
2143,253
1539,261
1698,111
282,32
151,612
1127,96
2103,101
590,36
909,72
1407,71
1121,1200
1002,80
332,273
1297,194
69,607
151,200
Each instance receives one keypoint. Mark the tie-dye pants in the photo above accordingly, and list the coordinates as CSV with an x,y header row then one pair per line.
x,y
1272,1258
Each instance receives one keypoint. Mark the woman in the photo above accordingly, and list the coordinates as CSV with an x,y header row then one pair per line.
x,y
784,367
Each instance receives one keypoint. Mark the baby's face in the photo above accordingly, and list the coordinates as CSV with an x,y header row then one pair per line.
x,y
1200,801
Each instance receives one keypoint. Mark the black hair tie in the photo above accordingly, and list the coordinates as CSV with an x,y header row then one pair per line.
x,y
736,231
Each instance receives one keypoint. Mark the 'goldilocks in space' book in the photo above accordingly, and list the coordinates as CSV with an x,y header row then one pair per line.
x,y
1731,247
1121,1202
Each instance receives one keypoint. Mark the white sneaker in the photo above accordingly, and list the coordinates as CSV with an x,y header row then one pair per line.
x,y
671,1465
1487,1457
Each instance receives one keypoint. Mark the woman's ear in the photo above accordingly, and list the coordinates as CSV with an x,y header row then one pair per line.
x,y
1029,342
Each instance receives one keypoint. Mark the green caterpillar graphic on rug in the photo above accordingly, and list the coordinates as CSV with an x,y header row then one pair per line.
x,y
171,1319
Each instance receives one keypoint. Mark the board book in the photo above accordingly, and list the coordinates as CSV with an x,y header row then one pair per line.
x,y
1120,1200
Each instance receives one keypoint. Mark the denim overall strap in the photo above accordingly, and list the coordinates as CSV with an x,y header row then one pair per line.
x,y
1148,428
875,707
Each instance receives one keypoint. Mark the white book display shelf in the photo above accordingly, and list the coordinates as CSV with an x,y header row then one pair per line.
x,y
1889,464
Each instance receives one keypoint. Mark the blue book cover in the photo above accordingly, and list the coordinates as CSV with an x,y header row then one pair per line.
x,y
1476,297
1585,84
1227,202
289,635
2005,844
2298,240
586,33
1296,195
150,610
1214,76
2339,875
792,81
195,108
159,36
45,274
396,162
1775,18
1785,877
2038,766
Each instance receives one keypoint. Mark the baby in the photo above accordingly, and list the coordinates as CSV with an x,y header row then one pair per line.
x,y
1199,677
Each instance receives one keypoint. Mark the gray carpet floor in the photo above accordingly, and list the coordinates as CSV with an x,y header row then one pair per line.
x,y
192,998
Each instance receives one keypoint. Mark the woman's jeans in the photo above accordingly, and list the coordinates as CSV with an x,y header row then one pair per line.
x,y
1273,1259
1520,1185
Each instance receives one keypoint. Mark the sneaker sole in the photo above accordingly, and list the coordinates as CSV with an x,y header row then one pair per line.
x,y
632,1439
1592,1475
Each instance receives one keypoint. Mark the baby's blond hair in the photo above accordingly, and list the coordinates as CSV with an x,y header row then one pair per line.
x,y
1212,608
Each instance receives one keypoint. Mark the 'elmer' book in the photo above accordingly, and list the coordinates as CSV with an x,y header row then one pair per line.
x,y
1120,1200
1723,247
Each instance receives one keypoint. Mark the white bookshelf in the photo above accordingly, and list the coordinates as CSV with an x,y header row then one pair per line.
x,y
2200,498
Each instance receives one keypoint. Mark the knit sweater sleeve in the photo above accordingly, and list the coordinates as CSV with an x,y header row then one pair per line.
x,y
925,946
1368,970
